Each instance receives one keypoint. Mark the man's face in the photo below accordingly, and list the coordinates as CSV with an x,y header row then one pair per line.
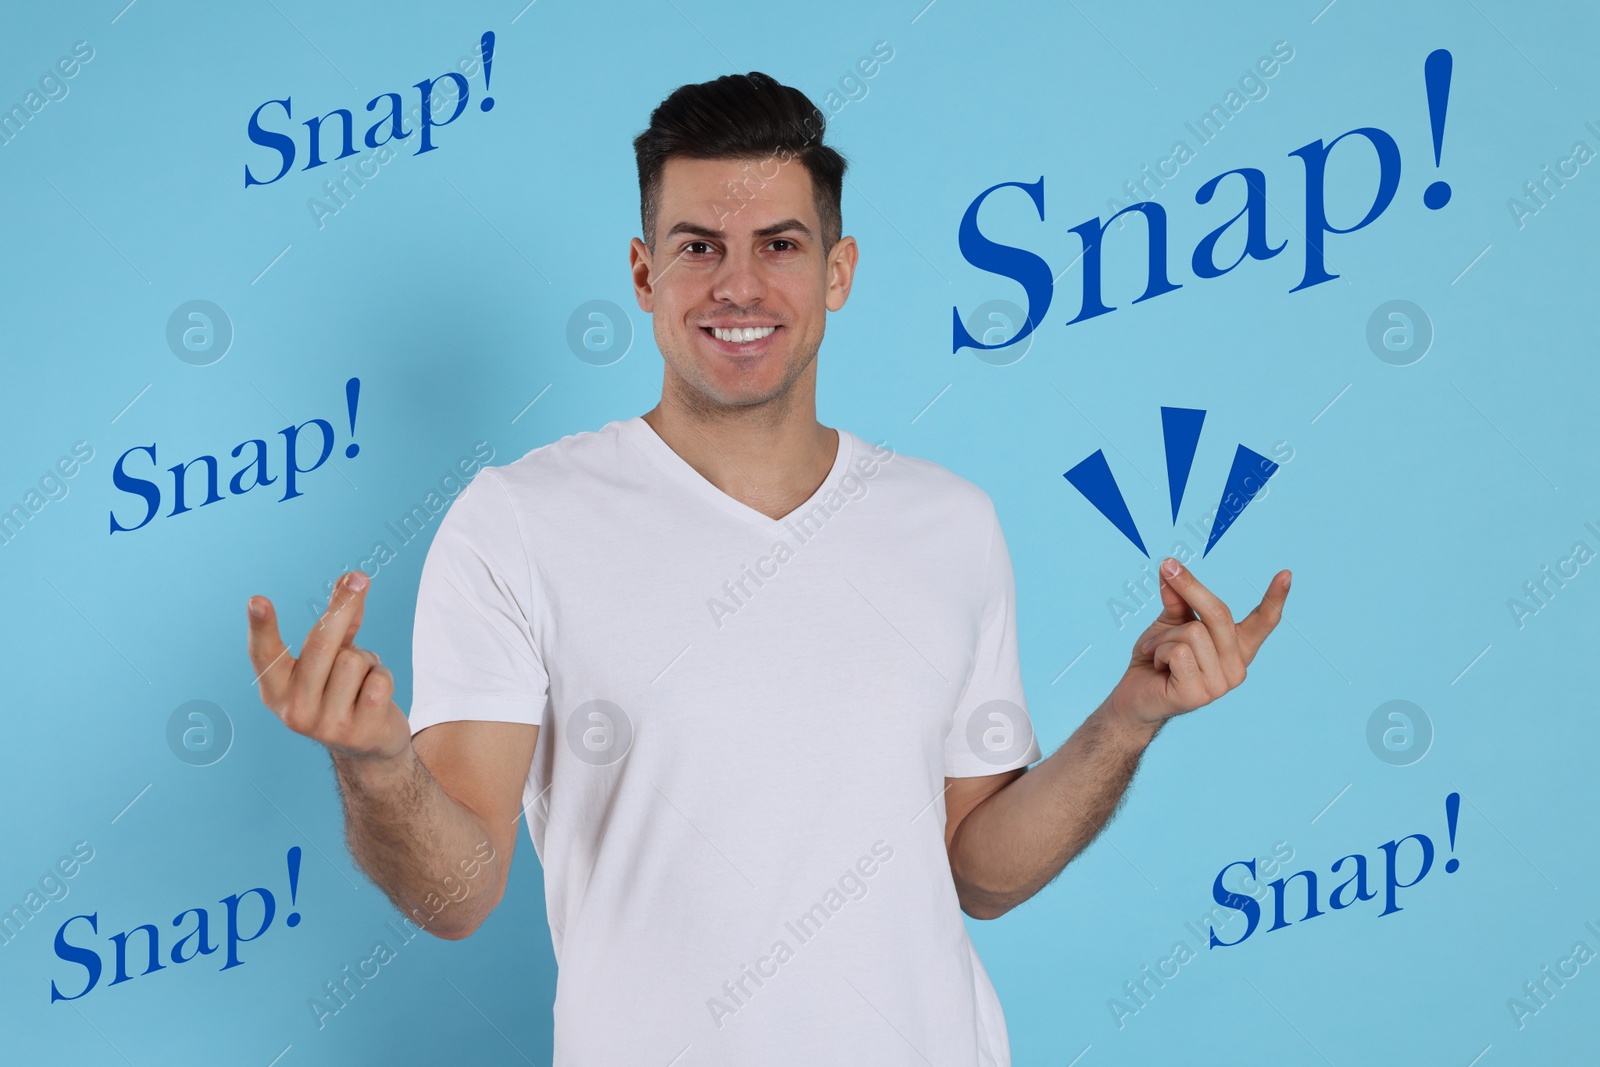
x,y
738,247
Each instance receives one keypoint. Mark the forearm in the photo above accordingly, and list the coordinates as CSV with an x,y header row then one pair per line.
x,y
1010,846
429,853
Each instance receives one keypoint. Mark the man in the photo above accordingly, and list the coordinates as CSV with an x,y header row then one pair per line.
x,y
753,682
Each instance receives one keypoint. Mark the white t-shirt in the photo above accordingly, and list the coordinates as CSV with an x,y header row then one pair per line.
x,y
745,727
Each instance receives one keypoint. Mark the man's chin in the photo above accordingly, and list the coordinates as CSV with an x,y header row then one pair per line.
x,y
711,392
741,398
717,384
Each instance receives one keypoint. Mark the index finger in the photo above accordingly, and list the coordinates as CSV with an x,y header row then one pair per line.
x,y
269,656
336,629
1206,604
1254,627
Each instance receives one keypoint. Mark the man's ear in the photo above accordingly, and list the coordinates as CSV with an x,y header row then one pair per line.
x,y
841,272
640,266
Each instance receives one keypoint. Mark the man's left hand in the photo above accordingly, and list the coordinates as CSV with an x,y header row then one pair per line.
x,y
1194,652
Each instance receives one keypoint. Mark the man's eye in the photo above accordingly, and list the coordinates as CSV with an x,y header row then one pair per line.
x,y
789,245
697,247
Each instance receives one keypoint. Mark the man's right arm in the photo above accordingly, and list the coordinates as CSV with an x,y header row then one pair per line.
x,y
432,820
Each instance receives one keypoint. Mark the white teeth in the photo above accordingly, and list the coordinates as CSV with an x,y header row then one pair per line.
x,y
742,335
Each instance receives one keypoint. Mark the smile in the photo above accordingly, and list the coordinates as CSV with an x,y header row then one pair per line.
x,y
740,335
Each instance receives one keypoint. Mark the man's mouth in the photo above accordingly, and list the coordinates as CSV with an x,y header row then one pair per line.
x,y
739,334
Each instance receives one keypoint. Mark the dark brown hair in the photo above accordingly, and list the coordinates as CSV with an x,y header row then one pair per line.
x,y
740,116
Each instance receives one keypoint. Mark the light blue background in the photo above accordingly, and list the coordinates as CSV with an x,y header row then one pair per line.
x,y
1412,509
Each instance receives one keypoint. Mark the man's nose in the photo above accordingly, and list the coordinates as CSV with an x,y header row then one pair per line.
x,y
741,280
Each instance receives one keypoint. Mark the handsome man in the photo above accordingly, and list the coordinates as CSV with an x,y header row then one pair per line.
x,y
753,682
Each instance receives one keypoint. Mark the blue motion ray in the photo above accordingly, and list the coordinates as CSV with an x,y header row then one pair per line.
x,y
1250,472
1180,427
1094,480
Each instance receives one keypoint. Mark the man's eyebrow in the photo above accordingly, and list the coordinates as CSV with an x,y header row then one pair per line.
x,y
689,227
782,226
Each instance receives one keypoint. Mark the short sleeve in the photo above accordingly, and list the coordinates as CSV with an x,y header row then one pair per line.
x,y
992,731
472,651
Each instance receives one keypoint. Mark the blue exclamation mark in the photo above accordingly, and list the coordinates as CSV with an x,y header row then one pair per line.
x,y
294,883
486,46
1452,808
1436,72
352,397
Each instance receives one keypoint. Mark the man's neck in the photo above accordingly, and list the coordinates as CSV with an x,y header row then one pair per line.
x,y
767,461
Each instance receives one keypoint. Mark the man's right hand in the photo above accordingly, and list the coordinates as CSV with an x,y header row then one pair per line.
x,y
335,693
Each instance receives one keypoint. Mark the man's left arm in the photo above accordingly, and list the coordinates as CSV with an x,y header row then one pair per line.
x,y
1009,834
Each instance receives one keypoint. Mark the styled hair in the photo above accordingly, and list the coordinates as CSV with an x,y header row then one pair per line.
x,y
740,116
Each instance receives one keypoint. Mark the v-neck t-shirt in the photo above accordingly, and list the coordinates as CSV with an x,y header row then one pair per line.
x,y
745,728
